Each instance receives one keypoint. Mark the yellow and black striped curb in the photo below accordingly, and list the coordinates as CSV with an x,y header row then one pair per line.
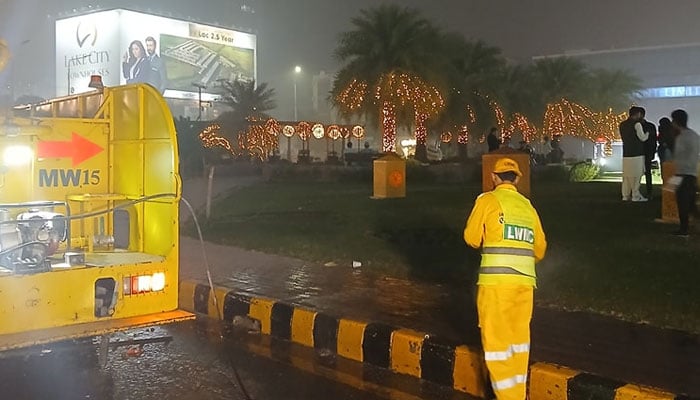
x,y
553,382
404,351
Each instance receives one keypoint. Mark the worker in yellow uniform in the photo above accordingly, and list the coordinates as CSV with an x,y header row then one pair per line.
x,y
508,230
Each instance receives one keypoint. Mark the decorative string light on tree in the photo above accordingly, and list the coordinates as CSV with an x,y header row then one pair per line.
x,y
394,91
421,132
552,125
241,141
273,127
607,124
517,123
427,103
471,114
394,88
463,137
210,139
446,137
352,96
259,143
500,118
520,123
566,117
304,129
389,127
399,90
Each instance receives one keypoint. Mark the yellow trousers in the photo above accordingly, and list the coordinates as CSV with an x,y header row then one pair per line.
x,y
505,312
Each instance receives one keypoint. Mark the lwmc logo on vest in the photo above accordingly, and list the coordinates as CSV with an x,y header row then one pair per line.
x,y
518,233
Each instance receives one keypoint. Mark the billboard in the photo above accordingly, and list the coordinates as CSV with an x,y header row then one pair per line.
x,y
176,57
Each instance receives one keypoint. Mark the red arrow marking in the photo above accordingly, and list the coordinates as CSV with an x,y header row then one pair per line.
x,y
78,148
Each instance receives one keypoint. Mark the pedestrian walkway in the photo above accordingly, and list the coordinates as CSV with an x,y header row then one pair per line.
x,y
604,346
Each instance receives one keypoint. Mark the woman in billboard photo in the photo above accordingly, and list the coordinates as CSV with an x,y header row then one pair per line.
x,y
135,65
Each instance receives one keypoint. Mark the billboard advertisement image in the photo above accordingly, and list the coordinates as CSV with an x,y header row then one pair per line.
x,y
189,60
177,57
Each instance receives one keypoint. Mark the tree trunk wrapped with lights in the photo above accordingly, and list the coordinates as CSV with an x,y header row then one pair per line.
x,y
388,127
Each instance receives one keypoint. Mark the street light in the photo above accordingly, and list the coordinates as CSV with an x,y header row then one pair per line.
x,y
297,71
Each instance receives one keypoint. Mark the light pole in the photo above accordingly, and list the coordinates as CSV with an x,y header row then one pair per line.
x,y
297,71
199,87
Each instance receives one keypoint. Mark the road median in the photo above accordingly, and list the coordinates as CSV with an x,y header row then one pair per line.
x,y
403,351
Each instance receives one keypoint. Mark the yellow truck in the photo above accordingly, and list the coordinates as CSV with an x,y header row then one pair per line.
x,y
89,202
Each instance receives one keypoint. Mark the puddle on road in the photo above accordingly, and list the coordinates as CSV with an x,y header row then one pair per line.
x,y
188,368
198,364
363,294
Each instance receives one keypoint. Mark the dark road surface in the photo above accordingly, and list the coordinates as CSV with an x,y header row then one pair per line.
x,y
196,364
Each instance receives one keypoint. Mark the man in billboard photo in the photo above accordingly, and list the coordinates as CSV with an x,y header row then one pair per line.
x,y
157,73
135,64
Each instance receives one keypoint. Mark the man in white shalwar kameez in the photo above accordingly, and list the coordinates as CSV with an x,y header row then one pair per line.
x,y
633,138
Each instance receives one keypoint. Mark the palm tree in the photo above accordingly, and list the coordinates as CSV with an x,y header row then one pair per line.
x,y
405,92
520,91
246,101
473,71
561,77
611,89
386,41
528,88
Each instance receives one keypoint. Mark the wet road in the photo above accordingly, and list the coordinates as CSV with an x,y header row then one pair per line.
x,y
193,360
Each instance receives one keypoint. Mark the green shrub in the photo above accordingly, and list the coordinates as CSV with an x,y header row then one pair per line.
x,y
584,171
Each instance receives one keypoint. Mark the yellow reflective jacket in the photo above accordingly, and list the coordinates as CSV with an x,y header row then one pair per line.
x,y
508,230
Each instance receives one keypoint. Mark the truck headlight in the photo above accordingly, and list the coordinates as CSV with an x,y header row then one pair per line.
x,y
16,156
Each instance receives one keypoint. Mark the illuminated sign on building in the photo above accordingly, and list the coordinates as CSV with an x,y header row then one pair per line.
x,y
176,57
670,92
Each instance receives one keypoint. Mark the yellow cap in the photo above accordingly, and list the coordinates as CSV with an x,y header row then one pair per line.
x,y
506,165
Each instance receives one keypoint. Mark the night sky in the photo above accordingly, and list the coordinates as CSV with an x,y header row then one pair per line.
x,y
303,32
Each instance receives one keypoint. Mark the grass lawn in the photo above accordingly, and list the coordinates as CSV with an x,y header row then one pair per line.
x,y
604,255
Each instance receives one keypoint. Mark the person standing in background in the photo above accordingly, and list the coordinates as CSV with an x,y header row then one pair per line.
x,y
545,149
633,137
686,155
667,135
649,152
492,140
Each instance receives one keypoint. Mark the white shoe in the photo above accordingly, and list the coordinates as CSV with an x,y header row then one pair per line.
x,y
640,199
625,199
